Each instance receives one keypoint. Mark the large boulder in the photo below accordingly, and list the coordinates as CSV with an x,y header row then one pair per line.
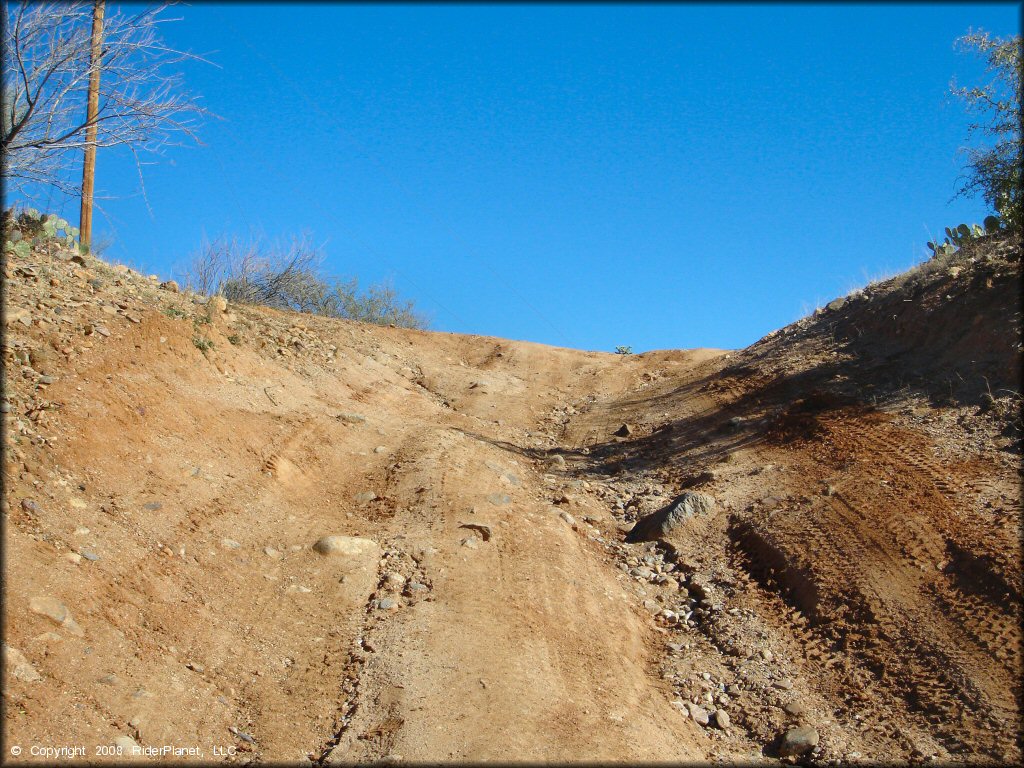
x,y
668,518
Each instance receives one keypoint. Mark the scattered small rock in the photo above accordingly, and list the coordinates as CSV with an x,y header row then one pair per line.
x,y
56,611
484,530
394,581
127,744
347,546
794,708
351,418
19,666
699,714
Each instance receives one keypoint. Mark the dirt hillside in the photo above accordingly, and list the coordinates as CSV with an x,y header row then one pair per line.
x,y
832,571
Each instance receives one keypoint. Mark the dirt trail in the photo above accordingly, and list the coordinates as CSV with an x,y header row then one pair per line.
x,y
858,572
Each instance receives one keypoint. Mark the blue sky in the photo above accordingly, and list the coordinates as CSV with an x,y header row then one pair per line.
x,y
664,176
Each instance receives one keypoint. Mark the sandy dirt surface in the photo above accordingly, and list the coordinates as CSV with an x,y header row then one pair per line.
x,y
851,590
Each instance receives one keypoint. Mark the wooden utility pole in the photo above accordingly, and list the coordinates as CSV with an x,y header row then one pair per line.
x,y
93,108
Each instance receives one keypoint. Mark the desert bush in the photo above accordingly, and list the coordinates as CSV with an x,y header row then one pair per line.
x,y
291,277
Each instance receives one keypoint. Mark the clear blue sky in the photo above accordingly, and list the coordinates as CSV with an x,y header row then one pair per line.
x,y
666,176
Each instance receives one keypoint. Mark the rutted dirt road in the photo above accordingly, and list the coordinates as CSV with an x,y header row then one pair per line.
x,y
858,573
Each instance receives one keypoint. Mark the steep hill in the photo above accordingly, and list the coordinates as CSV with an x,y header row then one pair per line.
x,y
844,581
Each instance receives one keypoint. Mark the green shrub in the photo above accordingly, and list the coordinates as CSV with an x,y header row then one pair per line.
x,y
995,170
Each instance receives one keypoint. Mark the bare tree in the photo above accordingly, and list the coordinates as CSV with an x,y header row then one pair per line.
x,y
46,70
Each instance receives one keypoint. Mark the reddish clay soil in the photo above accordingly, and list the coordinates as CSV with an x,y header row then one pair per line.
x,y
170,462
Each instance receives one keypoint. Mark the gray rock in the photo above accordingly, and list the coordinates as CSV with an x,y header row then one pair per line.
x,y
568,519
152,506
667,519
499,499
387,603
230,544
785,684
365,496
836,304
798,741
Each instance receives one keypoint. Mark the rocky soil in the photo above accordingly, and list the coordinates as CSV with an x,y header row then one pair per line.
x,y
256,536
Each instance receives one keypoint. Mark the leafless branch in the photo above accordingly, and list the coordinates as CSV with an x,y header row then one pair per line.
x,y
46,68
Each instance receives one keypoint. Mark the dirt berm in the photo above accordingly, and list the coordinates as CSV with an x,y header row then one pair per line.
x,y
852,593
